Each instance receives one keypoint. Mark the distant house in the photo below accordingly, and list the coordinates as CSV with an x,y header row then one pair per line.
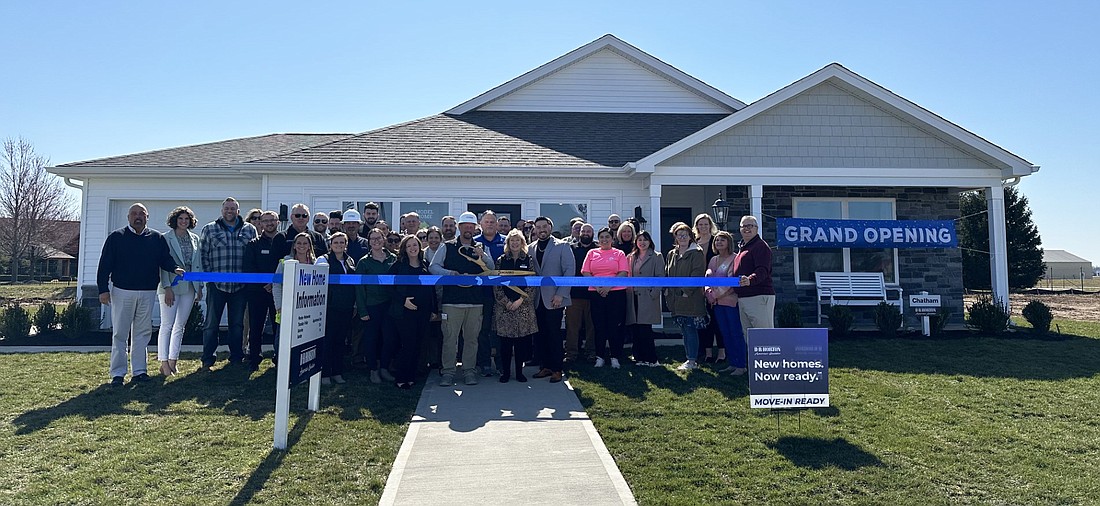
x,y
54,255
608,128
1062,264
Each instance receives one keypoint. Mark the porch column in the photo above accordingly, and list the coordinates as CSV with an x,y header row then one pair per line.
x,y
998,246
654,224
756,206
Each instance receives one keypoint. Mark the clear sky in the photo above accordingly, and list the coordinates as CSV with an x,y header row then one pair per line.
x,y
84,80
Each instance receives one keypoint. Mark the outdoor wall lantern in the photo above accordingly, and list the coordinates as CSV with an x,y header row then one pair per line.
x,y
721,212
639,220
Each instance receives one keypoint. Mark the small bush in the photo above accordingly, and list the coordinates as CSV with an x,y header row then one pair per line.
x,y
16,322
988,316
46,317
790,316
75,320
888,318
938,321
192,331
841,321
1039,316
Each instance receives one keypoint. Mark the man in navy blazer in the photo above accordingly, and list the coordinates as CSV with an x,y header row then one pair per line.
x,y
553,257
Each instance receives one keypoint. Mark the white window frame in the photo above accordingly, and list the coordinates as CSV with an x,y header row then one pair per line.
x,y
846,252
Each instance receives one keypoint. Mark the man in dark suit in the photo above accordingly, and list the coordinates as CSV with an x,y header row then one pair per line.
x,y
553,257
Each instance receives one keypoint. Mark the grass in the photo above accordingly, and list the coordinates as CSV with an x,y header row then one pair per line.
x,y
962,421
60,292
197,438
913,421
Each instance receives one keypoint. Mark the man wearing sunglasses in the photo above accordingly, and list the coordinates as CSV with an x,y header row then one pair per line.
x,y
299,222
320,224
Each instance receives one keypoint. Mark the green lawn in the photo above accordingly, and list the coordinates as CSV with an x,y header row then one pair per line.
x,y
956,421
963,421
58,293
199,438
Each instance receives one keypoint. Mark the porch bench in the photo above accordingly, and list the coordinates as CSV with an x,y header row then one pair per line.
x,y
853,289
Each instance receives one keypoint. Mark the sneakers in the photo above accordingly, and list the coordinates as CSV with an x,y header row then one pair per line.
x,y
140,378
615,363
375,377
687,366
385,374
446,380
339,379
737,371
471,377
599,362
117,381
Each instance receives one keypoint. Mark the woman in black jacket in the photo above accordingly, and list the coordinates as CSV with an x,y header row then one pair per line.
x,y
411,308
340,310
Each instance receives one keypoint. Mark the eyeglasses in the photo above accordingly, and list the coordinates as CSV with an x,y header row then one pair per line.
x,y
297,215
253,218
318,222
393,240
614,222
749,225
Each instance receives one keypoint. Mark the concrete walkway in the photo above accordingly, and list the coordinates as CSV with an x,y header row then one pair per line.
x,y
494,443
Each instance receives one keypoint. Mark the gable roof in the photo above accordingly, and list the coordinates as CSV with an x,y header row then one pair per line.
x,y
1060,255
839,76
214,154
507,139
607,42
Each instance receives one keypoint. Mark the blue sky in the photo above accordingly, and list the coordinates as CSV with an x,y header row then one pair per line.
x,y
84,80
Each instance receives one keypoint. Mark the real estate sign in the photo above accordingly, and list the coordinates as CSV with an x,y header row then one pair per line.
x,y
305,295
788,368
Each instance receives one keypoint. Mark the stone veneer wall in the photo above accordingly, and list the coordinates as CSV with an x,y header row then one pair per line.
x,y
939,271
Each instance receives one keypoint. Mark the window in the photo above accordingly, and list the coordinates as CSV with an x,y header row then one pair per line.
x,y
810,260
430,212
562,213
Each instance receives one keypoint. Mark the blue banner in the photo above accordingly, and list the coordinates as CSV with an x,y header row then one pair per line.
x,y
814,233
463,280
788,368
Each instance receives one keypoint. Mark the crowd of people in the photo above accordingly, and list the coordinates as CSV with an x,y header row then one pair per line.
x,y
397,332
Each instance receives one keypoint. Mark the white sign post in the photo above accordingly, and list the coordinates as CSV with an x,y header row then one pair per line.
x,y
924,305
302,327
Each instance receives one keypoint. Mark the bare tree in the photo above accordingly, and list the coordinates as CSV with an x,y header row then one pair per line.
x,y
31,202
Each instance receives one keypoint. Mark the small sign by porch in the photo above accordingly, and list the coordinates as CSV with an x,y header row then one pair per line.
x,y
305,294
923,304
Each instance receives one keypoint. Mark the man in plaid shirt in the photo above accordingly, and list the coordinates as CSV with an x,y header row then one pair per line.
x,y
222,245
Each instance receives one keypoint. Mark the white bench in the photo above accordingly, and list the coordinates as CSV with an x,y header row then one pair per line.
x,y
853,289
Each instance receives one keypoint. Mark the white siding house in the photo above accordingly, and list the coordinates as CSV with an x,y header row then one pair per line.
x,y
605,128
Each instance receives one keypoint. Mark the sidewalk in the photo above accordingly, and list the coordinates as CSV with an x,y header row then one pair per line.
x,y
494,443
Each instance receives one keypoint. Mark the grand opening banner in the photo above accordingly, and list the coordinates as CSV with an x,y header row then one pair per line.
x,y
815,233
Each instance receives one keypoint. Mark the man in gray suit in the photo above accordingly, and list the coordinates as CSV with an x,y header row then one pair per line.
x,y
553,257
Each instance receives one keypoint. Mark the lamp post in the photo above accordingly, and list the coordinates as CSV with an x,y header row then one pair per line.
x,y
720,211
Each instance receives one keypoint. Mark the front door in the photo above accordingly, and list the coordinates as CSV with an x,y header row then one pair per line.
x,y
670,215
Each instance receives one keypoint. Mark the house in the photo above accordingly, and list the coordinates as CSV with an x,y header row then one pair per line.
x,y
1062,264
608,128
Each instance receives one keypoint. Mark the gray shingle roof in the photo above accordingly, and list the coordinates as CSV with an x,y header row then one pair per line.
x,y
1059,255
215,154
496,138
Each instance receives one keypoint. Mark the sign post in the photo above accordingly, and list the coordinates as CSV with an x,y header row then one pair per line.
x,y
788,368
924,305
302,327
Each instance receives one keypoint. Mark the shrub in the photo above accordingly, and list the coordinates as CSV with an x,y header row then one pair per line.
x,y
790,316
888,318
1039,316
192,331
46,317
16,322
75,320
841,321
988,316
938,321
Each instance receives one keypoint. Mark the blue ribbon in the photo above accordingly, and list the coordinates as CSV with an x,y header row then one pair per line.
x,y
522,281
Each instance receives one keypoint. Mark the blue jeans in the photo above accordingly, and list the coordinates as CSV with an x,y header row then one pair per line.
x,y
691,335
216,302
729,323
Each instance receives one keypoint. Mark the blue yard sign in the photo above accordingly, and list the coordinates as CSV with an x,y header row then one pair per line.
x,y
788,368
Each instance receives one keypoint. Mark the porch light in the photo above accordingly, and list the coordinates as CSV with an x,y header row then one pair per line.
x,y
639,220
721,212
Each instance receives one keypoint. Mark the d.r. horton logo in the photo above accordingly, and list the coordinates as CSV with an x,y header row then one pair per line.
x,y
766,349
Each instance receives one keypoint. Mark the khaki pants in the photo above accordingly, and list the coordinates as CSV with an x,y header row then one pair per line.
x,y
467,321
757,312
132,324
579,313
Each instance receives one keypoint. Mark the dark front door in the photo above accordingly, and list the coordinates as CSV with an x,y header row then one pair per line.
x,y
669,216
512,211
